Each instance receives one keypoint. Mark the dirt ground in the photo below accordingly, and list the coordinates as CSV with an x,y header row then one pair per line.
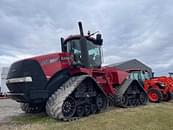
x,y
8,109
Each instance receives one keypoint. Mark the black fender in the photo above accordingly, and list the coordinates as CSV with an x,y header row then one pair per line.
x,y
96,84
57,80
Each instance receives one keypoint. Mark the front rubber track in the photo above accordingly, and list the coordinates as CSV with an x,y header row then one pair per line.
x,y
55,104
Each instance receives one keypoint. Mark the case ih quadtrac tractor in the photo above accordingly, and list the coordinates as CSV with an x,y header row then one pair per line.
x,y
72,84
158,88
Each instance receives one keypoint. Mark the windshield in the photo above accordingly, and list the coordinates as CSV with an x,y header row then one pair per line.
x,y
134,75
73,47
93,52
139,75
147,76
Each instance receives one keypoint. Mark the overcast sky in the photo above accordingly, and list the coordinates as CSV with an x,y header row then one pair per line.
x,y
141,29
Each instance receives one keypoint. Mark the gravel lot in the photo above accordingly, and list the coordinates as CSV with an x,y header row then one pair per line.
x,y
8,109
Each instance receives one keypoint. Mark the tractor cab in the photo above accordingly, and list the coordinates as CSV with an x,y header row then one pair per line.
x,y
86,50
139,75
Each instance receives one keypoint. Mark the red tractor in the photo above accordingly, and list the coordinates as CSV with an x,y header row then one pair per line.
x,y
158,88
72,84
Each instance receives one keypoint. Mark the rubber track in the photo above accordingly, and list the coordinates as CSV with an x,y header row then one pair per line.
x,y
55,102
121,91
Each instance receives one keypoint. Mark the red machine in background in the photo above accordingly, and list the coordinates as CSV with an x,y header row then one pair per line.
x,y
158,88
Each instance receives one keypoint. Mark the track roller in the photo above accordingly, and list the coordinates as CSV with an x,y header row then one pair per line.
x,y
80,111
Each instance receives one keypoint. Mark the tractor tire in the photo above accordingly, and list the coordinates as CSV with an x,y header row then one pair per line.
x,y
154,95
32,108
167,97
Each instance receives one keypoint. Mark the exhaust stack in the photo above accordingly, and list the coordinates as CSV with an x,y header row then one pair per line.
x,y
81,29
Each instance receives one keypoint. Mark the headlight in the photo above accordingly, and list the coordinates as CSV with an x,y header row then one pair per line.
x,y
19,80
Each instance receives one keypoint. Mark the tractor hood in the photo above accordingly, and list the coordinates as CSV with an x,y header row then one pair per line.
x,y
52,63
49,64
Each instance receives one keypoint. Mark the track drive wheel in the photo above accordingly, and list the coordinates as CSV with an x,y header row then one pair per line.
x,y
154,95
32,108
69,107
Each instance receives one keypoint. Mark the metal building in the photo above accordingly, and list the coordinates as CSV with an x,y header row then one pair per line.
x,y
132,64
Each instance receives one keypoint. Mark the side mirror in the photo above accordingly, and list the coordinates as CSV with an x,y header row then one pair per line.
x,y
152,74
99,40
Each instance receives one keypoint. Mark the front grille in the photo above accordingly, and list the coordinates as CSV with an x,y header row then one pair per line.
x,y
19,73
17,87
